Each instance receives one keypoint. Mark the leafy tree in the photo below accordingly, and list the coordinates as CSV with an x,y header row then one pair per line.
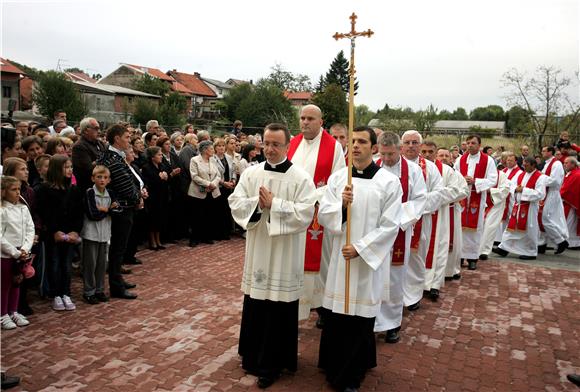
x,y
488,113
543,95
302,83
518,120
235,97
172,109
54,91
281,78
152,85
459,114
362,115
320,85
264,104
144,110
30,71
74,69
445,115
338,73
332,102
425,119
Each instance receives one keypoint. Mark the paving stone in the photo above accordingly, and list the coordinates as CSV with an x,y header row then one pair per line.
x,y
506,326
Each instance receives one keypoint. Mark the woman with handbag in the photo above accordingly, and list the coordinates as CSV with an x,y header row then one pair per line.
x,y
203,190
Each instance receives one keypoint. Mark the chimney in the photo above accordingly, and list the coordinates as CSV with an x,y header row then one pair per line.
x,y
197,74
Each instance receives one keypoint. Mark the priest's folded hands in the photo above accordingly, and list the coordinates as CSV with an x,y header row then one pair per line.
x,y
265,199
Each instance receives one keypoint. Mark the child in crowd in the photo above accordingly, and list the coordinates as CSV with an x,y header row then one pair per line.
x,y
41,163
95,234
61,213
17,240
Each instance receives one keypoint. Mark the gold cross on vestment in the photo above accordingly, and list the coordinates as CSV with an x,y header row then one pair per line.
x,y
398,253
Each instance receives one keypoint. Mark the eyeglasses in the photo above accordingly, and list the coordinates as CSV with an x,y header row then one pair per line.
x,y
274,145
95,128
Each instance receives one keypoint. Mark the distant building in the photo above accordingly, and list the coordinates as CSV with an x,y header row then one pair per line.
x,y
10,76
220,88
204,98
298,99
237,82
461,126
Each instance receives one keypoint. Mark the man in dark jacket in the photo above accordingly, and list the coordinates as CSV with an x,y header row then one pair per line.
x,y
86,151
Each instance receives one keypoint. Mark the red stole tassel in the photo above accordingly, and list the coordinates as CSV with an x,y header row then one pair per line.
x,y
470,214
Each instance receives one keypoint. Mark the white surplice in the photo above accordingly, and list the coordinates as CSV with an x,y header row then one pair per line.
x,y
453,266
503,224
274,256
376,213
553,217
453,190
306,157
472,238
525,243
415,275
391,313
572,222
492,221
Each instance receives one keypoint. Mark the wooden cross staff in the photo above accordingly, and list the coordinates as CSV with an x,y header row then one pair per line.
x,y
352,36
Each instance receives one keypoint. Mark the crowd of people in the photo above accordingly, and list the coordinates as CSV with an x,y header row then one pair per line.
x,y
87,195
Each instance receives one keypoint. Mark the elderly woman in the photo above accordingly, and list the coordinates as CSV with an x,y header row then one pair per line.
x,y
225,164
176,140
203,190
157,204
178,225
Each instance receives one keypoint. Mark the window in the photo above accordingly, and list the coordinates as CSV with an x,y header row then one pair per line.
x,y
6,92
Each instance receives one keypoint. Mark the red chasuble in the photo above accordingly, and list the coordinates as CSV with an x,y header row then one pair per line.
x,y
519,217
543,201
570,193
323,170
417,228
434,216
470,214
399,246
515,171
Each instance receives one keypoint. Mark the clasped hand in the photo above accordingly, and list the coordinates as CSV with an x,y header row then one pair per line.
x,y
347,196
265,198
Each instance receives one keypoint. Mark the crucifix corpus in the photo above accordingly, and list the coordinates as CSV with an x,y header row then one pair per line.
x,y
352,34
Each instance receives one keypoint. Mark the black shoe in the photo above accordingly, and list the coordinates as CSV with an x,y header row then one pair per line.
x,y
9,381
135,261
265,382
562,246
448,278
320,322
574,248
129,285
414,307
102,297
472,265
542,249
482,257
500,251
25,310
350,389
161,247
210,242
574,379
456,276
527,257
153,248
434,295
193,244
392,336
124,295
462,263
91,299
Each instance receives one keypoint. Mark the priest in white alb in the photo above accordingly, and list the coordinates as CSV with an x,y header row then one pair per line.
x,y
413,202
453,190
273,201
320,155
414,281
570,192
512,171
521,234
480,172
495,205
347,343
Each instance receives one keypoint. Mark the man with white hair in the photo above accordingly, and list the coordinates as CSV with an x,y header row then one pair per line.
x,y
315,151
86,152
570,192
413,202
480,173
152,126
415,277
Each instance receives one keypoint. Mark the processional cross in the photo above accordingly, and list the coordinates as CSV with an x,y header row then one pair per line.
x,y
352,35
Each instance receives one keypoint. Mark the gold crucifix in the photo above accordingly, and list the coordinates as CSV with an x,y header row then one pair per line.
x,y
352,36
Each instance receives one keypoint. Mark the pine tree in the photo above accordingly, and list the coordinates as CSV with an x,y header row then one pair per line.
x,y
321,85
338,73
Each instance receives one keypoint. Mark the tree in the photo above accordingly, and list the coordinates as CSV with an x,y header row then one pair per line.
x,y
172,109
74,69
302,83
54,91
518,120
362,115
281,78
263,104
235,97
459,114
30,71
97,76
487,113
152,85
425,119
332,102
144,110
338,73
542,95
445,115
320,85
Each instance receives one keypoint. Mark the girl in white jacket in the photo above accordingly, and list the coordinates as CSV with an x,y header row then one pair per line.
x,y
17,230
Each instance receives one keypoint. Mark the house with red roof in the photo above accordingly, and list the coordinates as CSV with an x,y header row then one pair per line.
x,y
204,98
299,99
10,76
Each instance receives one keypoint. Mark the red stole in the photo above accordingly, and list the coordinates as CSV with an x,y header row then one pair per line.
x,y
470,214
507,200
543,201
419,224
519,217
570,193
434,216
399,246
315,231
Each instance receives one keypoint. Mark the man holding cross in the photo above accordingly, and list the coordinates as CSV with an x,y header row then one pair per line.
x,y
347,344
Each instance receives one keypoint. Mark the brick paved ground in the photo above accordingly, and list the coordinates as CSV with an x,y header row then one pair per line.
x,y
506,327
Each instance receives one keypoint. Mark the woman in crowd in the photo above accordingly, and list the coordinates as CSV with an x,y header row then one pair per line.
x,y
55,146
248,156
204,188
176,142
139,149
150,139
171,165
225,165
61,213
41,162
155,178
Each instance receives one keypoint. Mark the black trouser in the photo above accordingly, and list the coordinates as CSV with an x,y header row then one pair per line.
x,y
136,237
121,224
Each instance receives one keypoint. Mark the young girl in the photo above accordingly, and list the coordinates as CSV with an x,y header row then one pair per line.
x,y
61,213
17,239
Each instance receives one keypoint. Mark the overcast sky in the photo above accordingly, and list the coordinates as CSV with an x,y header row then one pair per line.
x,y
446,52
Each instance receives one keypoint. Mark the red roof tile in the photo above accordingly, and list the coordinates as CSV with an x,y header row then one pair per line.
x,y
298,95
193,83
151,71
80,77
180,88
6,66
